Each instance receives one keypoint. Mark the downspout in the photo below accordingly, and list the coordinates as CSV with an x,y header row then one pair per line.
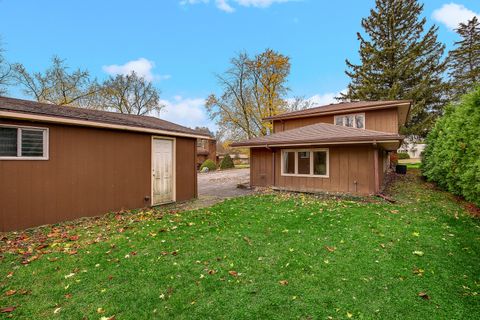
x,y
375,167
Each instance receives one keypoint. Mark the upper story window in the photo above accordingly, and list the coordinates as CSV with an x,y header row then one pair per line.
x,y
356,120
23,143
202,143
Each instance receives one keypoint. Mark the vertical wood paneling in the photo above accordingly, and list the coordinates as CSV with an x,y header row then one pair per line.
x,y
385,120
89,172
186,173
347,164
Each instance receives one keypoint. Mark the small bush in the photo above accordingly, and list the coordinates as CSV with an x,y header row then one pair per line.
x,y
208,164
227,162
452,155
403,155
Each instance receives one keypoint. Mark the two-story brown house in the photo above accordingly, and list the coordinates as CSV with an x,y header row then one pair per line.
x,y
206,149
336,148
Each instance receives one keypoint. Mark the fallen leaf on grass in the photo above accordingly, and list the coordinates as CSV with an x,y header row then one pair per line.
x,y
247,240
57,310
10,292
418,271
283,282
233,273
349,315
382,245
418,253
330,249
108,318
8,309
424,295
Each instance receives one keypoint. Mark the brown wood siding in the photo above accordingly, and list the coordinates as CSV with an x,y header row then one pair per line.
x,y
348,164
279,126
186,172
261,171
89,172
385,120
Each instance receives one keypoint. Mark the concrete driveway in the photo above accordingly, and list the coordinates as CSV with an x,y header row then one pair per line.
x,y
223,184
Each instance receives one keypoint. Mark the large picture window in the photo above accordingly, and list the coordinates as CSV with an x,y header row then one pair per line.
x,y
305,162
356,120
22,143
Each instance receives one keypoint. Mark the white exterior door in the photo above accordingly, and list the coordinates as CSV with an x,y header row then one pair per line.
x,y
162,171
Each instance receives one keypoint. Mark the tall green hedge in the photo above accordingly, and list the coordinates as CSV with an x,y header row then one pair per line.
x,y
452,155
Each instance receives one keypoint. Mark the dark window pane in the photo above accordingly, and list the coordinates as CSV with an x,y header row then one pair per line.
x,y
359,121
8,142
304,162
348,121
289,162
32,143
320,163
339,121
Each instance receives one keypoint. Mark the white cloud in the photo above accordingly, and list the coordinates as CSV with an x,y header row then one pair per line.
x,y
259,3
142,67
189,112
453,14
322,99
224,5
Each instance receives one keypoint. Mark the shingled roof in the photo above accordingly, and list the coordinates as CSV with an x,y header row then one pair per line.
x,y
24,108
319,133
343,107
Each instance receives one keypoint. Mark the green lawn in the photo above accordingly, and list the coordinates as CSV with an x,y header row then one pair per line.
x,y
268,256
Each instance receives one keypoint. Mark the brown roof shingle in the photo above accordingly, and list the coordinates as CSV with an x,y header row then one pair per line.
x,y
68,112
319,133
339,108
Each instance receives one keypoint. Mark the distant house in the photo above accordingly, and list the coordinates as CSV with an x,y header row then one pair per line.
x,y
413,148
206,149
60,163
341,147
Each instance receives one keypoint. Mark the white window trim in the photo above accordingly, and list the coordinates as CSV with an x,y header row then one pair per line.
x,y
296,174
19,143
354,122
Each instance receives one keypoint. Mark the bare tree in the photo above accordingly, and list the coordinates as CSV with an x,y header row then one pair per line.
x,y
57,85
299,103
5,73
252,89
130,94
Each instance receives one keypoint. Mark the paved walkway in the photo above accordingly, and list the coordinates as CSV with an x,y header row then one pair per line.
x,y
223,184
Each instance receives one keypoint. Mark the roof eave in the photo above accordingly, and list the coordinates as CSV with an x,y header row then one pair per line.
x,y
321,113
96,124
325,142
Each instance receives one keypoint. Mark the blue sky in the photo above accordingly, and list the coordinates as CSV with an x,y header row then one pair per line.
x,y
181,44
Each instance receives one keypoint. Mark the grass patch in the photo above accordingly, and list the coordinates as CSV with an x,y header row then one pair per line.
x,y
277,256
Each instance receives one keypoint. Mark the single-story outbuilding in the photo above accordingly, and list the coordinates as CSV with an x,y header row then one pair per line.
x,y
59,163
340,147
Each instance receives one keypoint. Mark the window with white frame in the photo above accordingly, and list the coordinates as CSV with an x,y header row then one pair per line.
x,y
23,143
305,162
356,120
